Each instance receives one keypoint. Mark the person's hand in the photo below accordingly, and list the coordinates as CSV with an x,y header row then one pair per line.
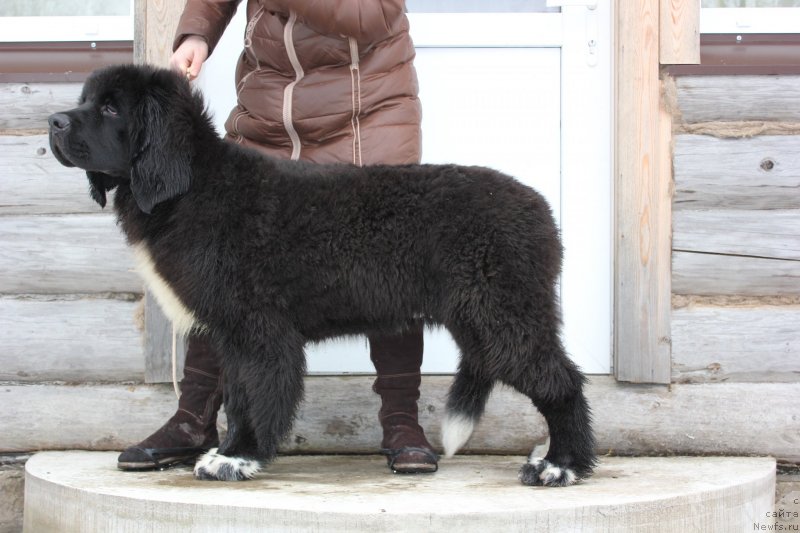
x,y
188,59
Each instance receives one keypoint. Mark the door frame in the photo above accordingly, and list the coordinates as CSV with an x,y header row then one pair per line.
x,y
148,49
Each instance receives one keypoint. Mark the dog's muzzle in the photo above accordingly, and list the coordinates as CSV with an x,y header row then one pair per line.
x,y
60,124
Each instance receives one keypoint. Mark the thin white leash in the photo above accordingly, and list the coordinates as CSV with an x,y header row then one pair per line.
x,y
175,362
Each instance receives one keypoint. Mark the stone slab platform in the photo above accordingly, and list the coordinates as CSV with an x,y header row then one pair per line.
x,y
84,492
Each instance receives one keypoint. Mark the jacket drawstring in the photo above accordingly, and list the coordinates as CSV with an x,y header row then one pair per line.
x,y
355,80
289,90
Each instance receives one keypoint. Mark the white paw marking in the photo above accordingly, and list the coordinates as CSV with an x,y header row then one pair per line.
x,y
552,474
555,473
456,431
222,468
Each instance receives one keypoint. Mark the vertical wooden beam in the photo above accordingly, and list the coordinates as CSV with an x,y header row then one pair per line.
x,y
679,34
154,28
139,30
642,263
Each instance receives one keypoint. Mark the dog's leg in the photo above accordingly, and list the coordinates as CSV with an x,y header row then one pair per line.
x,y
557,391
528,355
260,403
236,459
571,453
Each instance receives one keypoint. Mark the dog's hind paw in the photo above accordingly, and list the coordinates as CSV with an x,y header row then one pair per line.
x,y
541,472
215,467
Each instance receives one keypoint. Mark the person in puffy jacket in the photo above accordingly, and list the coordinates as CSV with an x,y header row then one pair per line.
x,y
322,81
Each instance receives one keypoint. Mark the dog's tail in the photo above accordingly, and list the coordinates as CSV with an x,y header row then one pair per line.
x,y
465,404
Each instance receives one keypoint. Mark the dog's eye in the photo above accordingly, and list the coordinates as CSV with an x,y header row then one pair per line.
x,y
109,109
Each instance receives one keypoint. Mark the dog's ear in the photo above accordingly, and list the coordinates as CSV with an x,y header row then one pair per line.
x,y
161,147
99,185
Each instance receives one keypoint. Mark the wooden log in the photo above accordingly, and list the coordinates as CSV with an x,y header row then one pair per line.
x,y
32,181
748,342
27,105
758,173
724,98
73,340
710,274
65,255
769,234
339,415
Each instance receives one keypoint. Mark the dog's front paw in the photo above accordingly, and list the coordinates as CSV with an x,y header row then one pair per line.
x,y
541,472
215,467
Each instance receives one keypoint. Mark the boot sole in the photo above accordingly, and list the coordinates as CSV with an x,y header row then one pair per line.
x,y
415,468
168,462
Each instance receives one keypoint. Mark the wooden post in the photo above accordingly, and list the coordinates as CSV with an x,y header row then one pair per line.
x,y
642,262
155,22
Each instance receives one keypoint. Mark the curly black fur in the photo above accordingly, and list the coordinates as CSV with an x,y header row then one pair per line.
x,y
267,255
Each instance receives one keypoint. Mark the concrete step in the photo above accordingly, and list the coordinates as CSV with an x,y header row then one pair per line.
x,y
83,491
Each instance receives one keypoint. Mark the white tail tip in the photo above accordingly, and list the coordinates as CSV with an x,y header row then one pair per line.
x,y
456,431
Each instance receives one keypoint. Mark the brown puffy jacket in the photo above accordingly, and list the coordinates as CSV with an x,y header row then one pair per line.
x,y
320,80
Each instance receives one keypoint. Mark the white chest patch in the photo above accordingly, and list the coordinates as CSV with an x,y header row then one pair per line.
x,y
182,318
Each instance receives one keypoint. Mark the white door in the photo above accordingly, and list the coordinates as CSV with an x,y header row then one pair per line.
x,y
524,88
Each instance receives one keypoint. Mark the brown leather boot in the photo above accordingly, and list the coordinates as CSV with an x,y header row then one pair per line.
x,y
192,430
397,359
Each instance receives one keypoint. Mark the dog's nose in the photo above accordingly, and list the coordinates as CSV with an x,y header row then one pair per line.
x,y
59,122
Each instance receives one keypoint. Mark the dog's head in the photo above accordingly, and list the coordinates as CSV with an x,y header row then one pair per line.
x,y
135,125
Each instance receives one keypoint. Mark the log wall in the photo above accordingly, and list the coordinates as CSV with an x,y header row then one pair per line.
x,y
736,229
69,299
71,305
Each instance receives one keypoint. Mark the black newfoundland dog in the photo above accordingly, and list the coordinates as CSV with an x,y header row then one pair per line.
x,y
268,255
